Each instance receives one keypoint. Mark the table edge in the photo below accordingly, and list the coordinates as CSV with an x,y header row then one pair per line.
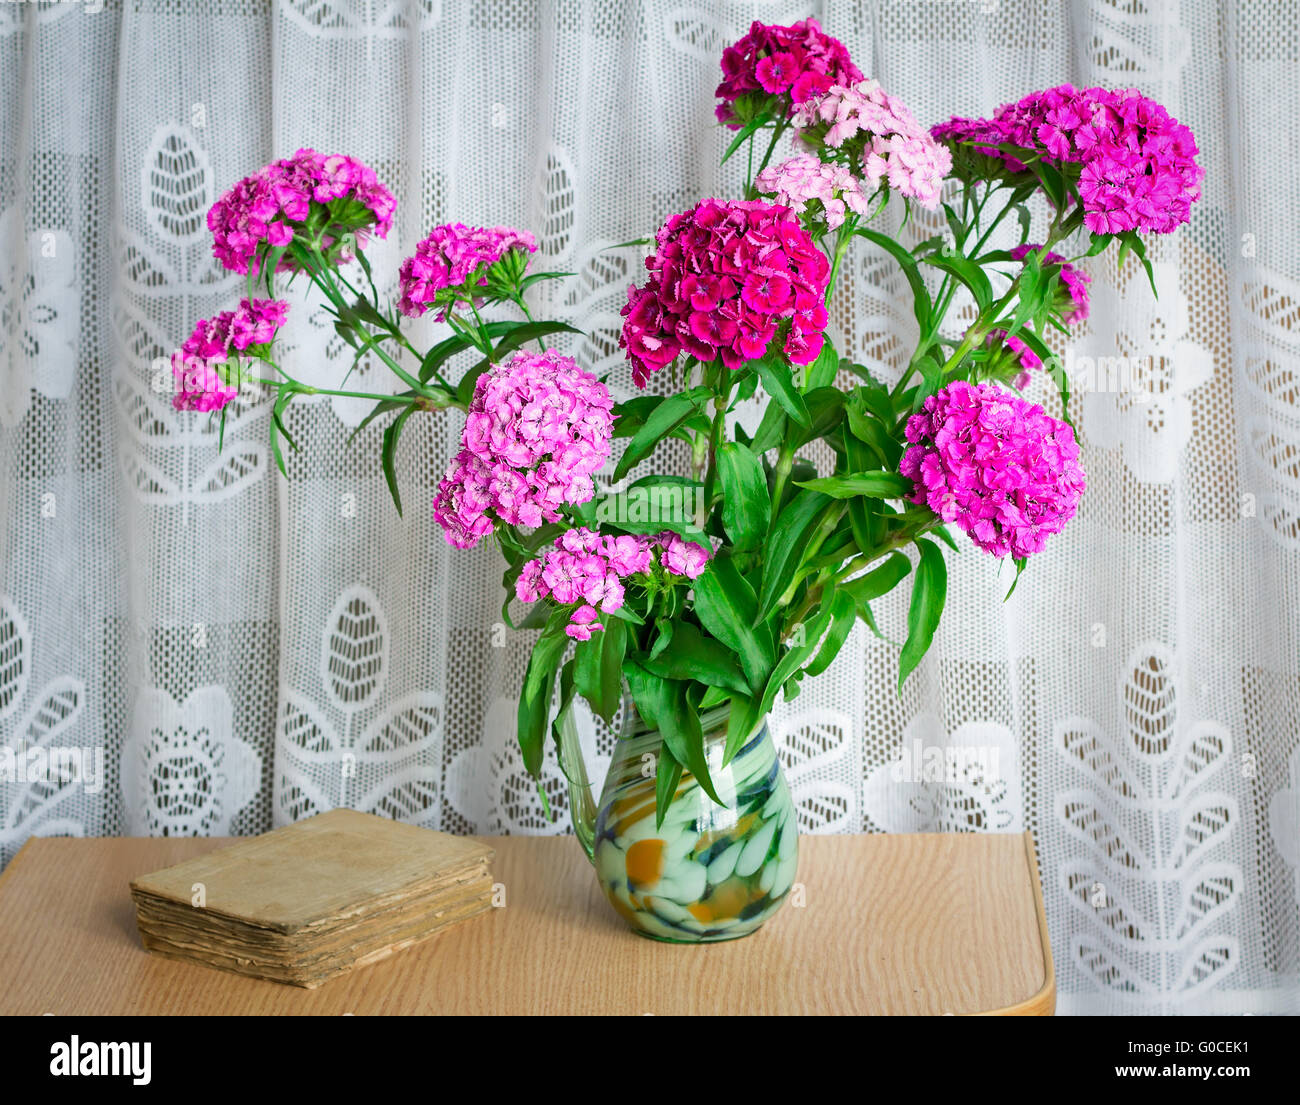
x,y
1042,1003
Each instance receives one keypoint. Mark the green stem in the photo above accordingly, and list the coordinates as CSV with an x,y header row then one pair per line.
x,y
841,247
827,527
777,131
814,595
715,443
784,462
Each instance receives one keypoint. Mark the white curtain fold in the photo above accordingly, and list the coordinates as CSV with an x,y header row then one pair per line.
x,y
235,649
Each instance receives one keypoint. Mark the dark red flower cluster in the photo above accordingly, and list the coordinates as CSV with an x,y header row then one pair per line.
x,y
725,276
800,61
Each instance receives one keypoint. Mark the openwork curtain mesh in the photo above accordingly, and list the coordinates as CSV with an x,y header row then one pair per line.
x,y
224,650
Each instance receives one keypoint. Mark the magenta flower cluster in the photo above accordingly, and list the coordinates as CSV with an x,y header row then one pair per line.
x,y
883,135
724,277
1138,163
1073,297
270,205
798,61
998,466
200,369
538,426
802,179
588,568
452,257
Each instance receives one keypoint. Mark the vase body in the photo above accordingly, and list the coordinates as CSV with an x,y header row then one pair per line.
x,y
708,872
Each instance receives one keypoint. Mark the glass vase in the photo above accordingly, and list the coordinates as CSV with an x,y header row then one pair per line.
x,y
708,872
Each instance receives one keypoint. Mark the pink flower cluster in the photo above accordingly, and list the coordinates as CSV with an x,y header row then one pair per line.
x,y
538,426
1073,305
453,256
796,182
798,61
201,383
586,568
1139,169
270,205
724,277
998,466
895,148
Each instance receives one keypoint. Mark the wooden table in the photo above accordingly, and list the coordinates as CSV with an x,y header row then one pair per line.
x,y
926,924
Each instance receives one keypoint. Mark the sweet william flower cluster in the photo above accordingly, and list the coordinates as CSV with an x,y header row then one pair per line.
x,y
789,64
586,570
536,430
724,278
1135,164
663,542
1002,469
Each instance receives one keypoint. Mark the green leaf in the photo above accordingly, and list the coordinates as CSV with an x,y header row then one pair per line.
x,y
879,580
844,612
668,775
562,711
1052,181
389,455
690,655
663,703
383,406
875,485
795,657
784,546
822,372
741,722
519,334
771,430
922,308
1019,562
825,413
598,668
746,508
779,382
726,605
535,697
929,589
968,272
870,429
448,348
659,423
755,124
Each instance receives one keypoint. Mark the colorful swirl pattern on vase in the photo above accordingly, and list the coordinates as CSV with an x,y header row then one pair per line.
x,y
709,872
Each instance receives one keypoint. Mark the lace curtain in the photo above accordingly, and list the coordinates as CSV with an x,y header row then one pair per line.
x,y
228,650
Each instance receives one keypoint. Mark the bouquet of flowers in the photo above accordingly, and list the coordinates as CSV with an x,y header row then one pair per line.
x,y
742,576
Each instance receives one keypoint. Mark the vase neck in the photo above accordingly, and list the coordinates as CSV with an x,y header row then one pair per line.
x,y
713,722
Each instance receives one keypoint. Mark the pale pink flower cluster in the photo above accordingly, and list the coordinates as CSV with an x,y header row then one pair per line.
x,y
202,367
269,206
882,131
451,257
998,466
805,178
537,428
586,568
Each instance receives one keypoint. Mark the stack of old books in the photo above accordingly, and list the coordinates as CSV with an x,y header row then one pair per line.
x,y
315,899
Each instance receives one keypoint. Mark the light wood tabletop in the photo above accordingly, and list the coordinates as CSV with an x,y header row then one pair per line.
x,y
893,924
